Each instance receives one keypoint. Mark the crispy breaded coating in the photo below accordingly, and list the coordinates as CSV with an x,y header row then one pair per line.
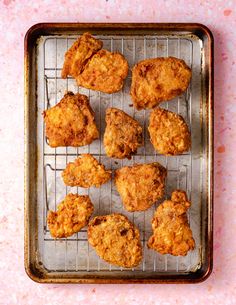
x,y
71,122
85,171
94,68
169,132
79,53
158,79
105,72
72,215
116,240
140,185
123,134
171,231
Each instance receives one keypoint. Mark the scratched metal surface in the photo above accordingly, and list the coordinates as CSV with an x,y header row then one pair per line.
x,y
187,171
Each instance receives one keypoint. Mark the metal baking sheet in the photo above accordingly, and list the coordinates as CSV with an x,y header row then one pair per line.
x,y
72,259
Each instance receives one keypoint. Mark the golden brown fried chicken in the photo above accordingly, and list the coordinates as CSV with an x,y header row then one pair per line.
x,y
116,240
140,185
85,171
169,132
105,72
72,215
158,79
171,231
94,68
71,122
79,53
123,134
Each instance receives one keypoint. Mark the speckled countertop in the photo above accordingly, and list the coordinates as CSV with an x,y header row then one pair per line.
x,y
15,18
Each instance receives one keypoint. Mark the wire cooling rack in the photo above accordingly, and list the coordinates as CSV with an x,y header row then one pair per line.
x,y
74,254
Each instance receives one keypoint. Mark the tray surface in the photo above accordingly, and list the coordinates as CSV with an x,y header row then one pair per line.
x,y
72,258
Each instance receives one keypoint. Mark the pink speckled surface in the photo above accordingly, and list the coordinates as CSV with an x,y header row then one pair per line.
x,y
15,18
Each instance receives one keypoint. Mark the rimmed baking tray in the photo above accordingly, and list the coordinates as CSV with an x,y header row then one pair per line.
x,y
72,260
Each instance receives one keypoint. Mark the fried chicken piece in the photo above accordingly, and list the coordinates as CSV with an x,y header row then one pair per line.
x,y
71,122
94,68
169,132
79,53
123,134
85,171
116,240
171,231
72,215
105,72
158,79
140,185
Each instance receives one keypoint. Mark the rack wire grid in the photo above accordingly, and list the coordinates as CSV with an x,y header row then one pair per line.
x,y
74,254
